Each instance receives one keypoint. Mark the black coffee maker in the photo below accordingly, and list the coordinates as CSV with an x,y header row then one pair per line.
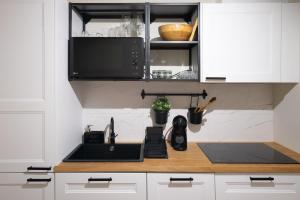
x,y
178,135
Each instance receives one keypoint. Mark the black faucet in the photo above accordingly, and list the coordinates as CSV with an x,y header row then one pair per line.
x,y
112,134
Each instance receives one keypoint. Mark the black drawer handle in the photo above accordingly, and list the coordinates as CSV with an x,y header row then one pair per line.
x,y
99,179
181,179
261,179
39,180
216,78
39,168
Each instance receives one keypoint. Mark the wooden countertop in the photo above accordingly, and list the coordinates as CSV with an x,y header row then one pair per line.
x,y
191,161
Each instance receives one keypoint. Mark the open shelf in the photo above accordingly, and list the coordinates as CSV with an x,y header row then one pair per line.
x,y
90,11
175,57
173,44
100,19
169,11
171,80
177,61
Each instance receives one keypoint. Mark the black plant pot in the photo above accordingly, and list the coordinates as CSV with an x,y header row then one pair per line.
x,y
161,117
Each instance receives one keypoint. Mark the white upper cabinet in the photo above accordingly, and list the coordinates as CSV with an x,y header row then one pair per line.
x,y
26,84
180,186
241,42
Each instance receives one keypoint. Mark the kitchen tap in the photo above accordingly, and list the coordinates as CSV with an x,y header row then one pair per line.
x,y
112,134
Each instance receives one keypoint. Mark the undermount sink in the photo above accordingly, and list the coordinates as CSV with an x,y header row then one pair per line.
x,y
106,153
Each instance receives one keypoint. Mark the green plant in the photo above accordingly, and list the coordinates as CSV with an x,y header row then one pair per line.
x,y
161,104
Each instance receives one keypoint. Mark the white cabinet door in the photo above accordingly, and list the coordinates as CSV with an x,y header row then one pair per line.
x,y
290,58
241,42
19,186
95,186
26,84
240,187
180,186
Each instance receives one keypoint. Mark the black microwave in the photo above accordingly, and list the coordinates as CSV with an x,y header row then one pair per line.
x,y
111,58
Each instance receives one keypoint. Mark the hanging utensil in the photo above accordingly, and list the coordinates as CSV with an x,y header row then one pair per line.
x,y
201,109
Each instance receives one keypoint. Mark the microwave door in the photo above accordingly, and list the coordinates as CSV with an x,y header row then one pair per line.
x,y
105,58
106,62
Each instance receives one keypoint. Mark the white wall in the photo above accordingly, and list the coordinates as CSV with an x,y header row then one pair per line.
x,y
68,108
287,97
286,116
243,112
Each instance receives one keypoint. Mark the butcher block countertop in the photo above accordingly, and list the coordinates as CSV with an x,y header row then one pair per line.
x,y
193,160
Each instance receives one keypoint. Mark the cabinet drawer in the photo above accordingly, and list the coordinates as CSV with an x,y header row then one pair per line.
x,y
180,186
16,186
257,186
95,186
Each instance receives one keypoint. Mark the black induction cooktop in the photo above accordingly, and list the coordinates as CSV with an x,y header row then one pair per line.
x,y
244,153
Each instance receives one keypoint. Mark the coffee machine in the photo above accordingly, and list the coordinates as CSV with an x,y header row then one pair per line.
x,y
178,134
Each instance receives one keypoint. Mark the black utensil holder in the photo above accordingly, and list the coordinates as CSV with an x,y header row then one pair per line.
x,y
194,117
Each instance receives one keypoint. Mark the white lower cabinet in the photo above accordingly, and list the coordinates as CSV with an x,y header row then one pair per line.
x,y
20,186
180,186
96,186
257,187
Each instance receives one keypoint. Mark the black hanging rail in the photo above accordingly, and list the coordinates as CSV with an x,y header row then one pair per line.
x,y
203,94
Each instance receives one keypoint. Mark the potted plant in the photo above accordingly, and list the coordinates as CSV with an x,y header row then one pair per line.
x,y
161,107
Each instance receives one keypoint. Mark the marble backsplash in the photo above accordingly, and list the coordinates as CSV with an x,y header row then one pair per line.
x,y
242,112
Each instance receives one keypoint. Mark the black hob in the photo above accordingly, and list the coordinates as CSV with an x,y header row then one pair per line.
x,y
244,153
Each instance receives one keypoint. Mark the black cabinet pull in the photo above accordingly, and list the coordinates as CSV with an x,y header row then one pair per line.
x,y
182,179
100,179
261,179
216,78
39,168
39,180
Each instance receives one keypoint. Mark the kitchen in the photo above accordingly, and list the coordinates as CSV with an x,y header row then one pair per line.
x,y
44,112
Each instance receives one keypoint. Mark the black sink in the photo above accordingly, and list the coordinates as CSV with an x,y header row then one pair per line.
x,y
106,153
